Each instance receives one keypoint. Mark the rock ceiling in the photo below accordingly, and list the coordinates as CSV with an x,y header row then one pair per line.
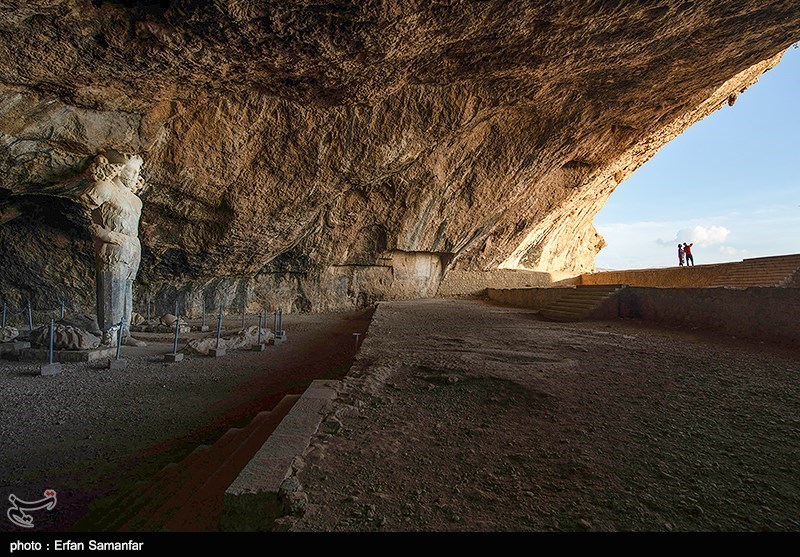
x,y
332,139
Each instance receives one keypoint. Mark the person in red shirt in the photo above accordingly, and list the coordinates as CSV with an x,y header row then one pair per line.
x,y
687,250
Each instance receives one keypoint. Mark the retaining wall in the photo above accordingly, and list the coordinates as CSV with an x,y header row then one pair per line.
x,y
532,298
475,283
761,313
669,277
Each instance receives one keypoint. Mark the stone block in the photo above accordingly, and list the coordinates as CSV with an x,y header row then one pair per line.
x,y
203,328
13,347
258,347
216,352
276,341
117,364
172,358
42,355
50,369
251,502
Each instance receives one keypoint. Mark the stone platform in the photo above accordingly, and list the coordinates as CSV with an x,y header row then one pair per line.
x,y
13,347
251,502
43,355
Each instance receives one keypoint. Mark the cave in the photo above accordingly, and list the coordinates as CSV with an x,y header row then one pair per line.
x,y
334,135
370,168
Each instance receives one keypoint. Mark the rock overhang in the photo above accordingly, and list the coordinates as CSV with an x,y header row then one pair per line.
x,y
341,152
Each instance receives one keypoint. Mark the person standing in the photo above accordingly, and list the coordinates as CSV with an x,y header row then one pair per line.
x,y
680,255
687,250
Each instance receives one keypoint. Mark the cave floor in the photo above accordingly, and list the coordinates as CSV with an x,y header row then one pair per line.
x,y
460,415
90,432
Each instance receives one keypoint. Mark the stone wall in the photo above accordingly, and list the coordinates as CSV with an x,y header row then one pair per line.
x,y
756,313
532,298
459,283
668,277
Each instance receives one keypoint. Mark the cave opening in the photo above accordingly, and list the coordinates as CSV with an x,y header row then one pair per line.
x,y
728,185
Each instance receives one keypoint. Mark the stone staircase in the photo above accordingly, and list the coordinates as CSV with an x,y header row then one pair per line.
x,y
762,271
576,304
187,496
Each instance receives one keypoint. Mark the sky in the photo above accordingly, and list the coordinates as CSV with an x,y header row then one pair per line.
x,y
730,184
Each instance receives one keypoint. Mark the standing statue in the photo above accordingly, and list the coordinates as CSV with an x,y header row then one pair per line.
x,y
115,210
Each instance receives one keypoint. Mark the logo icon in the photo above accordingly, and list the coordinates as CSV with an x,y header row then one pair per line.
x,y
17,512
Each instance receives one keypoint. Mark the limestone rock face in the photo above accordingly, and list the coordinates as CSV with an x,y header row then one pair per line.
x,y
324,155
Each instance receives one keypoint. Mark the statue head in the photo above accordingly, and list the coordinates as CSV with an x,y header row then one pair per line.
x,y
125,167
130,175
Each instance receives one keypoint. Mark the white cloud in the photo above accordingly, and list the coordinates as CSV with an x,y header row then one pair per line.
x,y
730,250
754,233
703,236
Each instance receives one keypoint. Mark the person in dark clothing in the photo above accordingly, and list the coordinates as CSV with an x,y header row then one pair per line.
x,y
680,255
687,250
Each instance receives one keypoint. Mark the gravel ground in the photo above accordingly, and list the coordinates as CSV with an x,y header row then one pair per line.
x,y
460,415
91,432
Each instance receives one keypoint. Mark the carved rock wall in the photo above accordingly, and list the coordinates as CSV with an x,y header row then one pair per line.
x,y
321,156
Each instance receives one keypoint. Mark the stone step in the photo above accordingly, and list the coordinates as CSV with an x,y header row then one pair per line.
x,y
113,508
193,479
585,298
161,489
772,258
201,512
206,476
251,502
754,280
578,304
760,273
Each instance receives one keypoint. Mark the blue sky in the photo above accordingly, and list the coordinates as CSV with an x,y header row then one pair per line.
x,y
730,184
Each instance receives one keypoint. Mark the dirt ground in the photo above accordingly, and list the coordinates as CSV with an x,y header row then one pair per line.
x,y
91,432
459,415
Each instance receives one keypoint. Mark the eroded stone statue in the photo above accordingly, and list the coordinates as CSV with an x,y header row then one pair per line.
x,y
115,211
7,334
65,337
243,339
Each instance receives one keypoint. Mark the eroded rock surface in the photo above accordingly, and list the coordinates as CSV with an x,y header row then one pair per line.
x,y
65,337
8,333
319,156
245,338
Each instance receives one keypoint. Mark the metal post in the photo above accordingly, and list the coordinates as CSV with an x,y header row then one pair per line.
x,y
62,309
280,321
260,321
119,338
4,315
148,307
52,327
275,323
219,326
30,316
203,318
177,328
